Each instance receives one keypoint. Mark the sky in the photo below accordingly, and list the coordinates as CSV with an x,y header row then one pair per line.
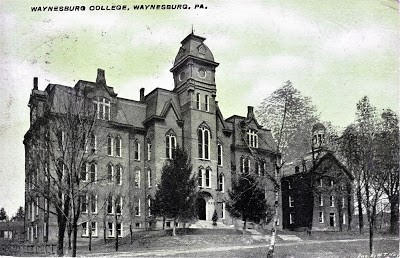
x,y
335,52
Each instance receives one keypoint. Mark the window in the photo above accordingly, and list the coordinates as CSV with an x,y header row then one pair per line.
x,y
198,102
290,186
137,208
149,177
204,143
321,217
223,211
46,206
321,200
118,147
84,173
137,225
220,155
119,229
207,103
242,164
291,218
45,229
93,203
200,177
110,206
148,151
291,201
330,182
149,205
118,205
93,170
110,227
332,201
343,201
321,183
263,167
37,206
110,173
252,138
247,165
84,204
221,186
137,178
208,175
118,175
109,146
170,146
102,108
33,211
344,219
85,229
94,228
93,143
168,224
332,219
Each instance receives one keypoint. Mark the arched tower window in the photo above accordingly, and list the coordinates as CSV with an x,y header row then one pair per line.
x,y
203,137
170,145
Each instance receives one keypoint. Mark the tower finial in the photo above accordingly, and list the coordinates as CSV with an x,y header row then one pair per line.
x,y
192,29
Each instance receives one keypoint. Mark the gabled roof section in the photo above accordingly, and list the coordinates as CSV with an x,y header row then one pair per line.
x,y
159,101
170,105
130,112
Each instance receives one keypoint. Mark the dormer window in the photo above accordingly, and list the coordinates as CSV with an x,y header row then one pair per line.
x,y
252,138
102,108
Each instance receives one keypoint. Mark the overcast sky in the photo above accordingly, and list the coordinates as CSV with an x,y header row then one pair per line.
x,y
333,51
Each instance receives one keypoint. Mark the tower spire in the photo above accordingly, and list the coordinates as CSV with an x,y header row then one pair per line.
x,y
192,30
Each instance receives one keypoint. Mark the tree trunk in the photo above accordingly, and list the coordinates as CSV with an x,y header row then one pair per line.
x,y
360,211
74,237
349,205
163,223
244,226
174,228
69,228
394,214
90,237
371,236
131,232
61,234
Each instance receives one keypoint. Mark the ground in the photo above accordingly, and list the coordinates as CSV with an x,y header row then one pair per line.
x,y
232,243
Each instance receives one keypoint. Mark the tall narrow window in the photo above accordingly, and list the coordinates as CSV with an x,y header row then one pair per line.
x,y
149,205
321,217
200,177
93,143
204,143
291,218
241,164
252,138
208,177
247,165
221,183
110,206
344,218
137,208
149,177
93,170
137,178
207,103
84,204
85,229
84,172
102,108
118,146
170,146
137,150
321,200
198,101
148,151
110,173
118,205
291,201
118,175
93,203
223,211
37,206
94,228
109,146
119,229
219,155
111,232
332,201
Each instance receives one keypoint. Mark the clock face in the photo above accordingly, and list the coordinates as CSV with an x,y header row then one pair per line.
x,y
202,73
181,76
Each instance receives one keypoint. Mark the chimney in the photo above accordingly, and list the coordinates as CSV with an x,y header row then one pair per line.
x,y
141,94
35,83
101,78
250,113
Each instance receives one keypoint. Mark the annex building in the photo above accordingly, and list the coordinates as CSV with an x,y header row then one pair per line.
x,y
133,140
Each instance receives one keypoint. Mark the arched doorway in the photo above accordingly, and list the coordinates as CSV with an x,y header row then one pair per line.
x,y
201,208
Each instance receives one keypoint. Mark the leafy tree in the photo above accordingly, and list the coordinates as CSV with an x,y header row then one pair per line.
x,y
20,215
176,195
247,200
291,117
386,143
3,214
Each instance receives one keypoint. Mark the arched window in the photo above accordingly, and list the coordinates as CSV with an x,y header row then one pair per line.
x,y
137,178
148,150
170,145
221,183
118,146
220,155
137,150
198,101
263,167
208,177
84,172
149,177
247,165
109,145
200,177
110,173
241,164
203,136
93,143
118,175
93,172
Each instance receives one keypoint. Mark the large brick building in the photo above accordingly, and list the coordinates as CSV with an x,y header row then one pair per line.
x,y
134,140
